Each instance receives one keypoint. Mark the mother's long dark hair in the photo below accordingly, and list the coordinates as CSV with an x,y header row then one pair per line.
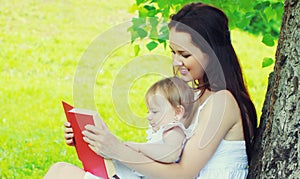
x,y
212,25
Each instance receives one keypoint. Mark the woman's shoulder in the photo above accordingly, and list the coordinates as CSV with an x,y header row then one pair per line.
x,y
225,96
231,114
215,101
224,92
223,101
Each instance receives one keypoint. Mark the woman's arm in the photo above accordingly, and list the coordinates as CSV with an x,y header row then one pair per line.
x,y
166,152
216,119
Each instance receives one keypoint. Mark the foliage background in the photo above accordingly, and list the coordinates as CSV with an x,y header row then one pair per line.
x,y
41,43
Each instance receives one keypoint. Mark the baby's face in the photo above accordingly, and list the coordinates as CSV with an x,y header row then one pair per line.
x,y
160,111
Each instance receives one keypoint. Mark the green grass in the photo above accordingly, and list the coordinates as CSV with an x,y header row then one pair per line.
x,y
40,45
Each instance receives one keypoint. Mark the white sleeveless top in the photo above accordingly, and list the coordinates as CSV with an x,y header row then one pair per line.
x,y
228,162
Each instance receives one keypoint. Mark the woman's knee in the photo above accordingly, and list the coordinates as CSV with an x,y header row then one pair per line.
x,y
62,165
62,170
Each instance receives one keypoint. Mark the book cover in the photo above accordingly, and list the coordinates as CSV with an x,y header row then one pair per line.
x,y
79,118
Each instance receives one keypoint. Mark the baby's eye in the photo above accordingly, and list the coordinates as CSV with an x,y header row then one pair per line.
x,y
154,112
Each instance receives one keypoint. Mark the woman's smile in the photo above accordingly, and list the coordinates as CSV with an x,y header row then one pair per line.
x,y
183,70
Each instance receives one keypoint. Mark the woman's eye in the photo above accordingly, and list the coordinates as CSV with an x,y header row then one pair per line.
x,y
185,55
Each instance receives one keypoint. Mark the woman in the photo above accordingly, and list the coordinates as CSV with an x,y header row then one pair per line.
x,y
225,119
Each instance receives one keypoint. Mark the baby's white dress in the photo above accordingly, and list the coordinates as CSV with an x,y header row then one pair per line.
x,y
125,172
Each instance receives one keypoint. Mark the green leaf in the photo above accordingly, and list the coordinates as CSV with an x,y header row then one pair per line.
x,y
270,13
244,21
268,40
149,8
153,21
164,34
138,2
177,2
133,8
152,13
277,5
136,50
134,34
165,45
139,22
162,3
240,5
163,37
151,45
153,34
267,61
164,29
261,6
278,9
166,13
147,11
143,12
142,33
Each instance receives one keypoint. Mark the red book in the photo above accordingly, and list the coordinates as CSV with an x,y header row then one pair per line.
x,y
79,118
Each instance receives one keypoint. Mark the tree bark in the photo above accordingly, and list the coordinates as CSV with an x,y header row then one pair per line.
x,y
276,151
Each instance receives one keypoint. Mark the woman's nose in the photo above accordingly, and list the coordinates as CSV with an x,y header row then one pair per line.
x,y
176,60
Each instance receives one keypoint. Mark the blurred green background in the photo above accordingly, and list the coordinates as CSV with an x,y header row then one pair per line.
x,y
41,42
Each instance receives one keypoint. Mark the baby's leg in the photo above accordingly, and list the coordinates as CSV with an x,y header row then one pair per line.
x,y
62,170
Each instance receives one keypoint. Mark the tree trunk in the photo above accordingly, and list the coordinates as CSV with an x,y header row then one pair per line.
x,y
276,145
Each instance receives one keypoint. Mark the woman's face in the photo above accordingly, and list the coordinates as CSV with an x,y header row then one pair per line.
x,y
188,60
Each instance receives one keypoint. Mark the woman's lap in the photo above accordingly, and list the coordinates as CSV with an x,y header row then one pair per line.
x,y
64,170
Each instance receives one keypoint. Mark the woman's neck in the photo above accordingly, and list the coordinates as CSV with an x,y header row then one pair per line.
x,y
203,95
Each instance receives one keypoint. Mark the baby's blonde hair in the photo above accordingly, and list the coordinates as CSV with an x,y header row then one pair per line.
x,y
177,92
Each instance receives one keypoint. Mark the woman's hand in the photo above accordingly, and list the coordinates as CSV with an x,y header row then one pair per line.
x,y
69,135
102,141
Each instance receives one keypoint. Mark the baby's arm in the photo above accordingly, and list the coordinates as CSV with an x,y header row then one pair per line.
x,y
168,151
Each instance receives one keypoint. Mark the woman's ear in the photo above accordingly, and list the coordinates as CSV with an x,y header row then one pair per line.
x,y
179,112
